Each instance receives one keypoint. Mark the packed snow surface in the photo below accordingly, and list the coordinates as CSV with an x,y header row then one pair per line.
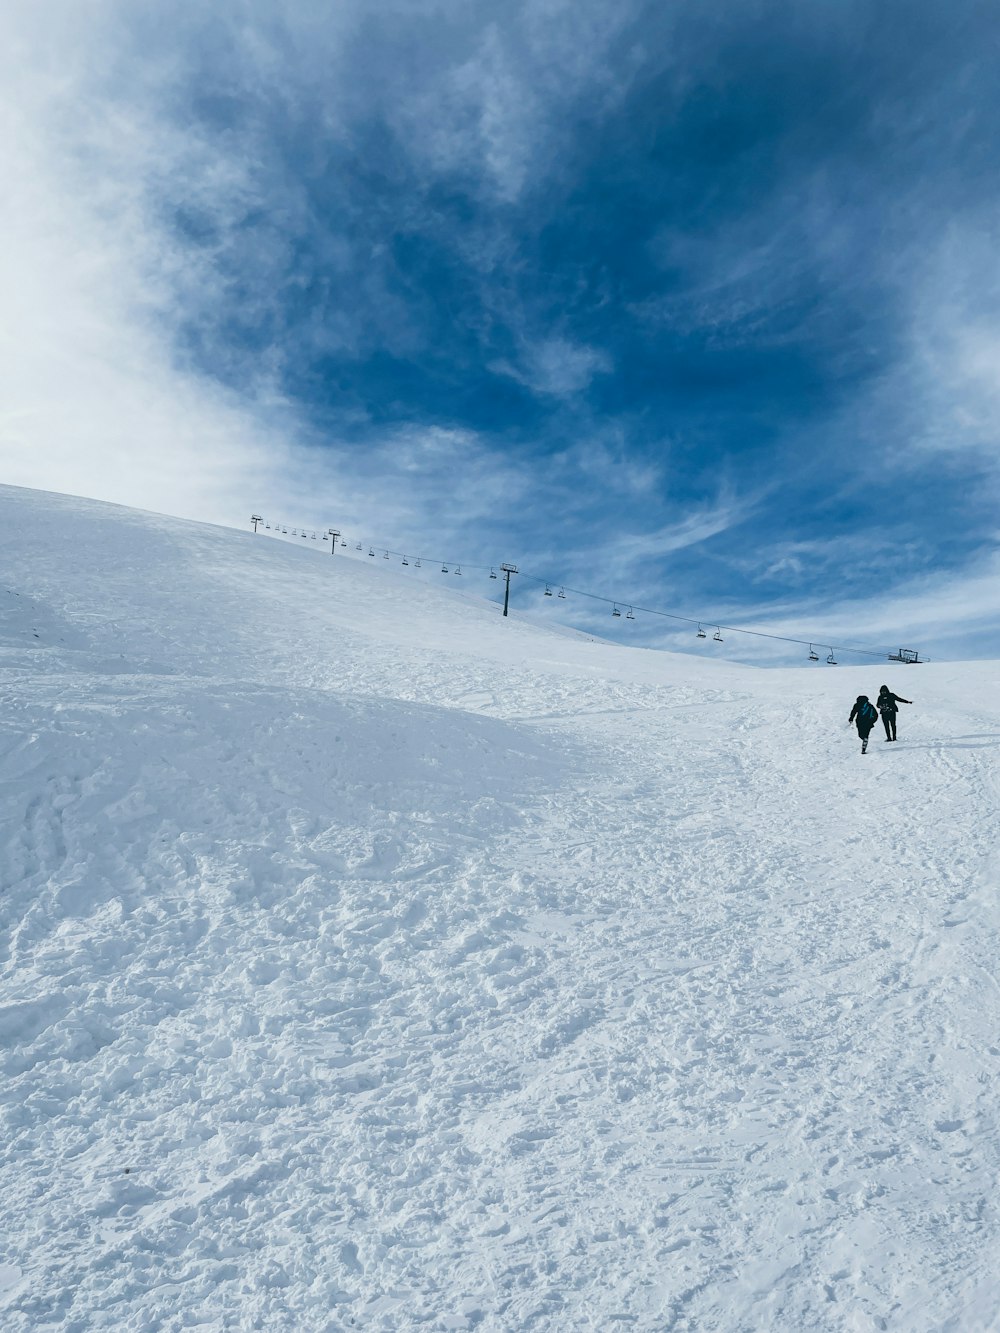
x,y
372,962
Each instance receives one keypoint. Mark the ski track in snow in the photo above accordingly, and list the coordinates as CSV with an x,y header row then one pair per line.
x,y
369,963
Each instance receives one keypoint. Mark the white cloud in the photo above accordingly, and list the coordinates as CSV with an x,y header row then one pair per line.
x,y
603,457
944,611
690,531
481,115
498,108
954,367
942,615
556,367
96,402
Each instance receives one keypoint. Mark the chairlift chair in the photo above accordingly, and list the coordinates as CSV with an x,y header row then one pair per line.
x,y
268,526
371,550
444,569
417,565
831,659
717,636
385,556
616,612
493,573
405,561
813,654
458,569
562,592
630,615
701,633
548,591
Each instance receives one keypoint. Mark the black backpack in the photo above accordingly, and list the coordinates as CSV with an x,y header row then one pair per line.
x,y
867,713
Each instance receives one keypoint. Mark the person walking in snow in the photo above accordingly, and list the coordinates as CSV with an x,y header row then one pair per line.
x,y
866,715
887,702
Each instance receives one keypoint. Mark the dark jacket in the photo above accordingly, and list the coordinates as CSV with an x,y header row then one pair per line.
x,y
864,724
887,701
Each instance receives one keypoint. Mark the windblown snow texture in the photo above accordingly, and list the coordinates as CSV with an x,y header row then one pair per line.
x,y
369,961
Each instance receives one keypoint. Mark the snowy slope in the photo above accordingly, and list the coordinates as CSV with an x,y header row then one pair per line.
x,y
371,962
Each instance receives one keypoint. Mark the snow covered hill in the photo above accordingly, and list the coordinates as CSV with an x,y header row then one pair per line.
x,y
371,962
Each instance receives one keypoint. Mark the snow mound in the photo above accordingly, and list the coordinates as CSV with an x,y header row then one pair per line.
x,y
369,961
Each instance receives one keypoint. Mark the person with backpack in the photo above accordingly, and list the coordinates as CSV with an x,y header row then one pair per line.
x,y
866,715
887,702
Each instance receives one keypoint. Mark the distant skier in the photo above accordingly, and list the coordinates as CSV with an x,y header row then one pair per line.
x,y
866,715
887,702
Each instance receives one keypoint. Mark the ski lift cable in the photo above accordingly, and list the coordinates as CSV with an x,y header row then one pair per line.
x,y
565,589
411,556
349,538
730,629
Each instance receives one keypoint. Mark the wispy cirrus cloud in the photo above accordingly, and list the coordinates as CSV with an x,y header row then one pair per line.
x,y
695,528
939,614
556,367
98,400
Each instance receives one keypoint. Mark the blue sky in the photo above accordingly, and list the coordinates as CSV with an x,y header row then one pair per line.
x,y
692,305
